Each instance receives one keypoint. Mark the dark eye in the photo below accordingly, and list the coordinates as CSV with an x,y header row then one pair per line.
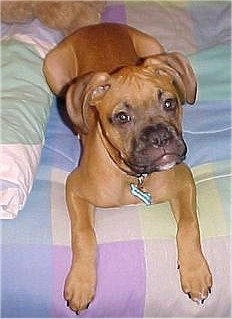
x,y
170,104
122,117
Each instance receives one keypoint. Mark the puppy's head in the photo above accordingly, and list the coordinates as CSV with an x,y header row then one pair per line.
x,y
136,111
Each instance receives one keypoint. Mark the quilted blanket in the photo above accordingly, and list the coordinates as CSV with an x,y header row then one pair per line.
x,y
137,270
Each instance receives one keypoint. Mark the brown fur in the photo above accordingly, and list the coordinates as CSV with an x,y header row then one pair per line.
x,y
108,69
65,16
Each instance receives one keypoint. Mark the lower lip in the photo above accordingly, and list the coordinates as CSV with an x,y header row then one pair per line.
x,y
165,159
165,167
163,163
167,162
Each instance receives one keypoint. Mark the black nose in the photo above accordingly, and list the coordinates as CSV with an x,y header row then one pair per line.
x,y
158,135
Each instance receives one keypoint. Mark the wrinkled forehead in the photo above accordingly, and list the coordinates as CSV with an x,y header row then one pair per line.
x,y
138,84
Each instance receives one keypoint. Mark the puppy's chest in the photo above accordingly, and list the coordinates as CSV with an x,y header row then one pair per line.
x,y
148,191
119,192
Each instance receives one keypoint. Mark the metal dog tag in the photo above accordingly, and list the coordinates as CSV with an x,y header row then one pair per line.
x,y
143,196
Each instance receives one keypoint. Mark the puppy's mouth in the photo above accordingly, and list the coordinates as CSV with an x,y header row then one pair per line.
x,y
162,163
157,148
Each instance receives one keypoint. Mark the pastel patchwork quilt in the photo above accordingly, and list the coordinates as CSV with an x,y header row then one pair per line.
x,y
137,266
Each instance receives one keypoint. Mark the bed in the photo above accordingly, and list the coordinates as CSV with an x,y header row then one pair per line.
x,y
137,273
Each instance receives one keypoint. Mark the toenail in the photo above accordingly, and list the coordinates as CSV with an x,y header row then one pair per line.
x,y
189,295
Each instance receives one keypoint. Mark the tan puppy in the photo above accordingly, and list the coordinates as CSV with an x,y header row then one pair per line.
x,y
124,95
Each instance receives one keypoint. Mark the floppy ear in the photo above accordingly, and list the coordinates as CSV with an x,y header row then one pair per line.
x,y
87,90
60,65
177,65
144,44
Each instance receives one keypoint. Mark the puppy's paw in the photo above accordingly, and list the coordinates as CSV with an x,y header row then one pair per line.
x,y
196,280
80,288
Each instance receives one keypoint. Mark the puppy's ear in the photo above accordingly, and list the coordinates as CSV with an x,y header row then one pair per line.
x,y
178,66
60,66
87,90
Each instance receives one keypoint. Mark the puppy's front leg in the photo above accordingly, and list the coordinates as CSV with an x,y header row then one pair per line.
x,y
195,276
80,283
